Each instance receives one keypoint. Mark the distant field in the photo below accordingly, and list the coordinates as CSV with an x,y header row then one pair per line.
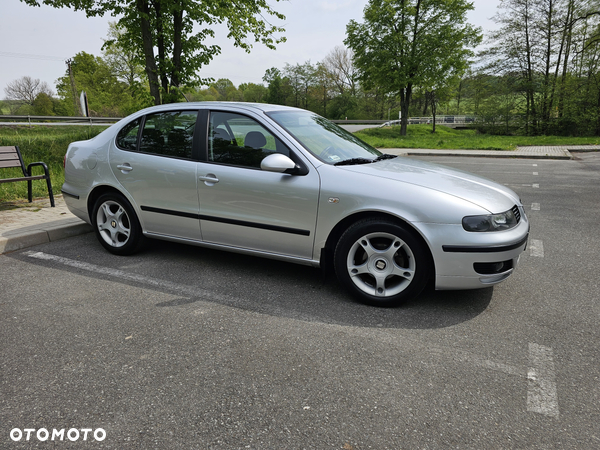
x,y
420,136
40,143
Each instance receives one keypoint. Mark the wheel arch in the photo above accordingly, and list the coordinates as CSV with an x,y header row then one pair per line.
x,y
337,231
97,192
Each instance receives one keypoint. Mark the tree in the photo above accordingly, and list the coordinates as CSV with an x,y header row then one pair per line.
x,y
26,89
278,87
178,30
253,92
107,96
226,89
122,60
341,69
405,43
43,105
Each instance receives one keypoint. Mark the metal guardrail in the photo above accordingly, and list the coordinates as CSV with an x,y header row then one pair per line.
x,y
361,122
55,120
440,120
71,120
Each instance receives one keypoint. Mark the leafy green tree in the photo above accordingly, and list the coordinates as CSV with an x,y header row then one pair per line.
x,y
253,92
122,60
107,96
43,105
278,87
406,43
227,90
170,36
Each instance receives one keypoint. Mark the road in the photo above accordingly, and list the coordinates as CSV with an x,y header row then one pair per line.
x,y
181,347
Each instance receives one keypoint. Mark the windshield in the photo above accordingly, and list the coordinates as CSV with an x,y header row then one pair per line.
x,y
324,139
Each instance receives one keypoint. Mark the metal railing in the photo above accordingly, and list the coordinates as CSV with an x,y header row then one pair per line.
x,y
71,120
57,120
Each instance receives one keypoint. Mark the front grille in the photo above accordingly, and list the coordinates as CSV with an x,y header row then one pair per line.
x,y
517,213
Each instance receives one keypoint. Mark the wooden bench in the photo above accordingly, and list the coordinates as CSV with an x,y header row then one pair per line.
x,y
11,157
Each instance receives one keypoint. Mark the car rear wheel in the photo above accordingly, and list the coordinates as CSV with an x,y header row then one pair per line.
x,y
381,263
116,224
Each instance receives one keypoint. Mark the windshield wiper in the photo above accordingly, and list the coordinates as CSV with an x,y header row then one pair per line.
x,y
385,156
352,161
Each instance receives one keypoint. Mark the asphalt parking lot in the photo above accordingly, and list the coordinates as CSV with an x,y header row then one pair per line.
x,y
179,347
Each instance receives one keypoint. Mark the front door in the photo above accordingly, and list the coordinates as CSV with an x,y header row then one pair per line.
x,y
246,207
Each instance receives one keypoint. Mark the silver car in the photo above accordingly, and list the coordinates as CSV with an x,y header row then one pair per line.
x,y
287,184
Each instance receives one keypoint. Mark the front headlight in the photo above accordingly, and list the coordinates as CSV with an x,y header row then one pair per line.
x,y
491,222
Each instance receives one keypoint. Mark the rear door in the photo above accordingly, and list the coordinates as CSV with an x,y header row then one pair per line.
x,y
154,160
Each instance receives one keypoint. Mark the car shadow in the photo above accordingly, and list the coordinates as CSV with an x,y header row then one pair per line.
x,y
280,289
303,293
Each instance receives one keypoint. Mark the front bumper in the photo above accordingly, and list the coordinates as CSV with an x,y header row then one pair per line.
x,y
476,260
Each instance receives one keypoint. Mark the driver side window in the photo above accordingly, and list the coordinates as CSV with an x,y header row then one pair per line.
x,y
240,141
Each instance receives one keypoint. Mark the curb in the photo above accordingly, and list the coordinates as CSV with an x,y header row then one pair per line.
x,y
49,232
500,154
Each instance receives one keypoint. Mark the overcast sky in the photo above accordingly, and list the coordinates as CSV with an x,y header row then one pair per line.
x,y
37,41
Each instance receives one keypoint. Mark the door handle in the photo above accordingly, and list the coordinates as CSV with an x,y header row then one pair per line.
x,y
125,167
209,179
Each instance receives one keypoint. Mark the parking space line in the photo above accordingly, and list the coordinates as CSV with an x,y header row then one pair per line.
x,y
542,396
535,206
179,289
536,248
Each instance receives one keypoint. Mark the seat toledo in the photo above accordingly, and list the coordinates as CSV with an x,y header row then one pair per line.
x,y
285,183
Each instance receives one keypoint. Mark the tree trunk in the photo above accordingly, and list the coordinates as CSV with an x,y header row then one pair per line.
x,y
433,109
177,46
160,44
151,69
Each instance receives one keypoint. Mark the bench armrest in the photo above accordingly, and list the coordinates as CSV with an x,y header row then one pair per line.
x,y
43,164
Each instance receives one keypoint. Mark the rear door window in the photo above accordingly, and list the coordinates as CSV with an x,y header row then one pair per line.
x,y
169,134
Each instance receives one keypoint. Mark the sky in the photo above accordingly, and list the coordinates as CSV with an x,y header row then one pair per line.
x,y
36,41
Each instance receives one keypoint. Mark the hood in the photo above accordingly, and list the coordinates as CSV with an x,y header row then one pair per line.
x,y
485,193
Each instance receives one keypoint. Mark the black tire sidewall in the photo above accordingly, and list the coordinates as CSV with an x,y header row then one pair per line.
x,y
135,236
367,226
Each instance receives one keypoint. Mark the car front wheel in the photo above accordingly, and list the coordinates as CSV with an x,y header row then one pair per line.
x,y
116,225
381,263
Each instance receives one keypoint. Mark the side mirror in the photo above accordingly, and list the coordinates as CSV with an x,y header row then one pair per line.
x,y
279,163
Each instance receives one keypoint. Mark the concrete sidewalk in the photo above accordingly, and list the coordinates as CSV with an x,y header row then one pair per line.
x,y
24,224
28,224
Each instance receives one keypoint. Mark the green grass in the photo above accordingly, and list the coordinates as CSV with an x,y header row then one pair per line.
x,y
40,143
420,136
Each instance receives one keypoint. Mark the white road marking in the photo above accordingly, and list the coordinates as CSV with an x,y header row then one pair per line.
x,y
535,206
178,288
535,186
534,165
535,173
536,248
542,397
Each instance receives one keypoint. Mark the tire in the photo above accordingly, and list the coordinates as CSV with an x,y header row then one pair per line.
x,y
116,224
381,263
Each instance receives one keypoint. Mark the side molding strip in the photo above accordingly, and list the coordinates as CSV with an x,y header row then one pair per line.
x,y
241,223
